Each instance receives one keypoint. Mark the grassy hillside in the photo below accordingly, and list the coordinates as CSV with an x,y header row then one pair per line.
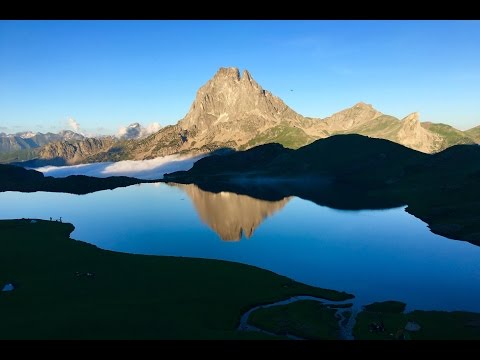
x,y
450,135
288,136
384,126
15,178
474,133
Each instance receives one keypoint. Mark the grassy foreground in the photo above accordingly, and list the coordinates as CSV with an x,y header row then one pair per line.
x,y
124,296
433,325
306,319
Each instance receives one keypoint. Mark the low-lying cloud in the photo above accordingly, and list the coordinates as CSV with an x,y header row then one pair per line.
x,y
137,131
142,169
74,125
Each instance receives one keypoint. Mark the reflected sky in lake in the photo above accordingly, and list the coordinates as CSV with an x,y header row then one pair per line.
x,y
377,255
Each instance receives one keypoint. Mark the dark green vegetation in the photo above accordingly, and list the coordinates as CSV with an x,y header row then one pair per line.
x,y
356,172
430,325
307,319
15,178
393,307
68,289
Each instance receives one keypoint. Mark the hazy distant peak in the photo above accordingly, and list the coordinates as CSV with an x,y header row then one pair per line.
x,y
27,134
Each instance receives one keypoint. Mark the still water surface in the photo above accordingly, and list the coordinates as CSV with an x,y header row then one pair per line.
x,y
375,254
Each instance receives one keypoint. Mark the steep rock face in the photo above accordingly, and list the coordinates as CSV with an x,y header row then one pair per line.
x,y
75,152
230,110
413,135
231,215
234,108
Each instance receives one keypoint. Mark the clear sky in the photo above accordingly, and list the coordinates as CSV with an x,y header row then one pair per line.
x,y
107,74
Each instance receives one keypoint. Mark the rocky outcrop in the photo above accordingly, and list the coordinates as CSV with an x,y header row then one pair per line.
x,y
413,135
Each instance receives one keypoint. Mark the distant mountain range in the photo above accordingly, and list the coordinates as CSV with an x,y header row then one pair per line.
x,y
32,140
234,111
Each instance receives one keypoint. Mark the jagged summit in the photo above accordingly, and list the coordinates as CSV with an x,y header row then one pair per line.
x,y
228,98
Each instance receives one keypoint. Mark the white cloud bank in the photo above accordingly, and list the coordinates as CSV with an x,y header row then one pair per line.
x,y
137,131
74,125
142,169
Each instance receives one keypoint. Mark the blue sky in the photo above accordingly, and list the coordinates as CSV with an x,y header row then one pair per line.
x,y
107,74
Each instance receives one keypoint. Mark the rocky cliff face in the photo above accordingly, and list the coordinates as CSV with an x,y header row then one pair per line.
x,y
230,110
413,135
233,108
231,215
229,97
74,152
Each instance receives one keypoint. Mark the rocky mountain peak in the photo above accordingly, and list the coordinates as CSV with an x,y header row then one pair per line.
x,y
228,98
358,115
227,72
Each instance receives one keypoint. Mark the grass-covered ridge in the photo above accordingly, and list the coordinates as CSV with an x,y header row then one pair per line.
x,y
126,296
284,134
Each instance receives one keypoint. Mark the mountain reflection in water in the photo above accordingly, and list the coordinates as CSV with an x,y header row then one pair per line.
x,y
228,214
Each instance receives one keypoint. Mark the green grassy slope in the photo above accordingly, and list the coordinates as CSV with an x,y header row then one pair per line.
x,y
474,133
288,136
450,135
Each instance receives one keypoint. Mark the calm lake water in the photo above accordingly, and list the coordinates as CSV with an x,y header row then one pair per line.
x,y
376,255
